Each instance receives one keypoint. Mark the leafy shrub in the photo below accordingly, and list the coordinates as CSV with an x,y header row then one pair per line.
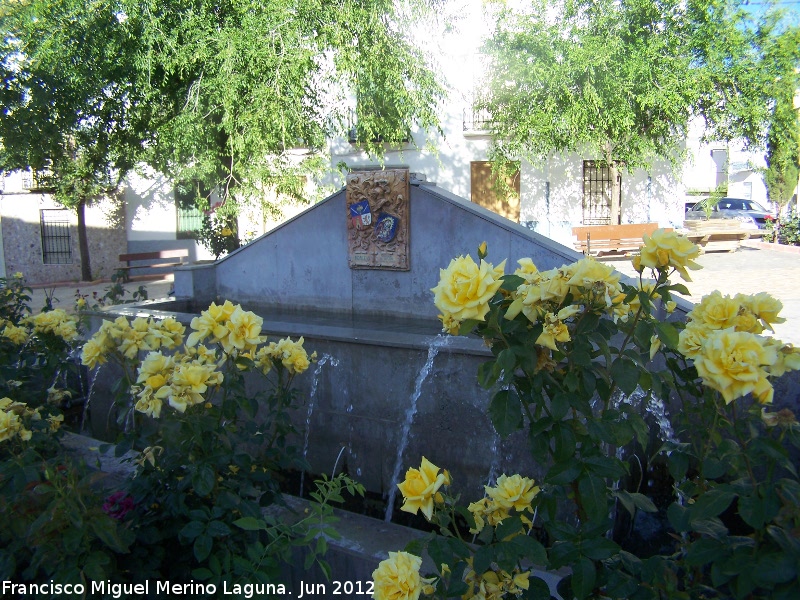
x,y
578,356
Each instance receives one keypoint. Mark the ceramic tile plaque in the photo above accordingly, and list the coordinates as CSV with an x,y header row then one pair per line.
x,y
377,219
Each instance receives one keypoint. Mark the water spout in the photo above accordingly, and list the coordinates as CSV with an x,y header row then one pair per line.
x,y
312,398
437,343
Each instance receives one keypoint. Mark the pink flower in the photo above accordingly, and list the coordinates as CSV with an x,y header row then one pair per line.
x,y
117,505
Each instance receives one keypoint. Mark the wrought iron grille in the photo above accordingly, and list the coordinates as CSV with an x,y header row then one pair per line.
x,y
597,190
477,120
56,239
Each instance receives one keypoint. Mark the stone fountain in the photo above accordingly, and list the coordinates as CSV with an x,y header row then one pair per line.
x,y
352,274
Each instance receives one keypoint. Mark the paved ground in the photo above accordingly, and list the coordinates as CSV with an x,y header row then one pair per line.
x,y
748,270
64,293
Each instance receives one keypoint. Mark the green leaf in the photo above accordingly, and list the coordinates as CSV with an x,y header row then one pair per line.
x,y
643,503
667,334
679,517
505,411
559,405
202,574
113,536
563,473
218,529
530,549
599,548
202,547
583,578
507,361
594,498
250,524
203,480
484,556
711,504
704,551
192,529
625,374
487,374
564,439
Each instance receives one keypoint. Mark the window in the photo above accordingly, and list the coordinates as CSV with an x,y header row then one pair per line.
x,y
189,217
56,241
488,192
598,194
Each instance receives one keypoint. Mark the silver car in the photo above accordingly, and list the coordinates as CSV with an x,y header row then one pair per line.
x,y
749,213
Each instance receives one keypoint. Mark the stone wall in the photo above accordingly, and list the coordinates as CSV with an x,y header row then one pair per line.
x,y
22,238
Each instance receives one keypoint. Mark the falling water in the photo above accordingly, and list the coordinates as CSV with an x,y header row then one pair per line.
x,y
494,450
440,341
312,397
655,406
92,378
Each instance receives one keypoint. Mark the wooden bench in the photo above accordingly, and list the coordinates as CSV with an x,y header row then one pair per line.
x,y
598,240
719,235
153,260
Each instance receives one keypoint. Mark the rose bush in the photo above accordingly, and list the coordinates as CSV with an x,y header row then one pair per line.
x,y
205,466
579,358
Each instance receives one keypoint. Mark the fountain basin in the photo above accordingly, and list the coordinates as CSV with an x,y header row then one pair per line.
x,y
359,402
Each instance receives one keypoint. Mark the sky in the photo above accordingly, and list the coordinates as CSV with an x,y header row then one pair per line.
x,y
792,7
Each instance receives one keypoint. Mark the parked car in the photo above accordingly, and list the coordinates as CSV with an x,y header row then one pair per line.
x,y
750,214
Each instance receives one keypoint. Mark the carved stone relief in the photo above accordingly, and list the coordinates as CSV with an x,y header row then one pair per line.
x,y
377,219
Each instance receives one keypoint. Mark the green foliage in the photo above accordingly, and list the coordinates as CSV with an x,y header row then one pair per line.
x,y
116,293
786,228
620,80
204,503
577,373
36,366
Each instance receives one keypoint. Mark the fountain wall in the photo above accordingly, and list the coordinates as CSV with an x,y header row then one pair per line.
x,y
390,389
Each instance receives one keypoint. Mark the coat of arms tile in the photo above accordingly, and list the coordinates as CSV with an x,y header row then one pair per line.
x,y
378,219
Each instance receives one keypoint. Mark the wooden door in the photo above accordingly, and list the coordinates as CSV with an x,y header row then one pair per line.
x,y
488,192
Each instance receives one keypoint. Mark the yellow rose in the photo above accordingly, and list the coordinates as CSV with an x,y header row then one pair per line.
x,y
692,338
732,362
527,270
513,492
763,306
587,271
397,577
464,288
211,323
716,311
554,331
420,487
17,335
150,405
9,425
244,330
666,249
93,354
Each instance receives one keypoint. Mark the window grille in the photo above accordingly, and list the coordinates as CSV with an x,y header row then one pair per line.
x,y
597,189
56,240
477,120
27,180
190,222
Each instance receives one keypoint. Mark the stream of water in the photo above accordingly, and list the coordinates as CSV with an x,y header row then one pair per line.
x,y
439,342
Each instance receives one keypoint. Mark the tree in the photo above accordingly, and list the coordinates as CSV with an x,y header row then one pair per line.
x,y
66,101
621,79
783,137
237,88
232,98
